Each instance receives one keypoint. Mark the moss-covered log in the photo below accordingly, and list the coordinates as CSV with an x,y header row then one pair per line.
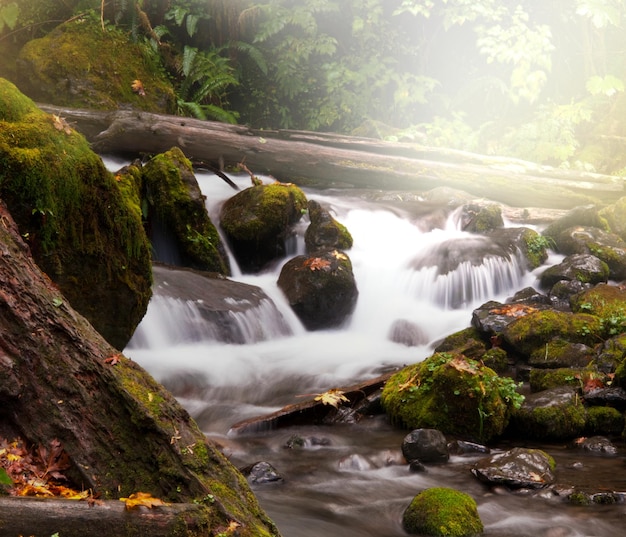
x,y
122,431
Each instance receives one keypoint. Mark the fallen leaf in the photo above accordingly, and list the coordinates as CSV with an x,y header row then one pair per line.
x,y
317,263
139,499
513,310
332,397
462,365
113,360
60,124
138,88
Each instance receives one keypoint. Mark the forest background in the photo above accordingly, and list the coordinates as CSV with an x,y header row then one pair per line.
x,y
540,81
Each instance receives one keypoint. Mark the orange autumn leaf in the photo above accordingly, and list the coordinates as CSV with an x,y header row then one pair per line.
x,y
513,310
144,499
114,359
317,263
60,124
462,365
137,87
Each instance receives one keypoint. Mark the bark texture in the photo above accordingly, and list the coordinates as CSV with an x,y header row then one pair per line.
x,y
123,432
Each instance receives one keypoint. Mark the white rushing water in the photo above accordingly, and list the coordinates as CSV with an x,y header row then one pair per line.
x,y
344,483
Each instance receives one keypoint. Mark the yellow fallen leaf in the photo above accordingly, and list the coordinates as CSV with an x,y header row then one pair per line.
x,y
332,397
139,499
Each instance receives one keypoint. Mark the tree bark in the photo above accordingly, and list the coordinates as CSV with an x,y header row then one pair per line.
x,y
341,161
123,432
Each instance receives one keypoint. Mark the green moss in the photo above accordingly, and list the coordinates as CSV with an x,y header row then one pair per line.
x,y
545,379
175,200
451,393
95,68
536,247
559,421
534,330
442,512
468,342
604,420
83,231
263,211
608,304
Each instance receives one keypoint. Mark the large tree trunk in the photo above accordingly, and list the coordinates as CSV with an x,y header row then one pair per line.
x,y
340,161
123,432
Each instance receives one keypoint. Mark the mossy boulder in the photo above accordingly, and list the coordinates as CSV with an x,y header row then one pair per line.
x,y
442,512
451,393
80,65
320,289
615,216
561,353
534,330
477,218
258,222
546,379
324,232
604,420
83,230
584,268
176,210
469,342
607,303
556,414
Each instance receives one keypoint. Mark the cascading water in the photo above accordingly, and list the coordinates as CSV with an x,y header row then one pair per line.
x,y
344,481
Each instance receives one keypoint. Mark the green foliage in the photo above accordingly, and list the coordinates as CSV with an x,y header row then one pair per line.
x,y
9,14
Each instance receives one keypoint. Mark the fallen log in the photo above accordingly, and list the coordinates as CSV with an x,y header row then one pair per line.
x,y
311,411
71,518
328,160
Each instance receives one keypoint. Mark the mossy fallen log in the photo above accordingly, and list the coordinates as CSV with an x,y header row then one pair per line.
x,y
342,161
122,431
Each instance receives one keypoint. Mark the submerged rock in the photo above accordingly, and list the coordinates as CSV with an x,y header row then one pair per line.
x,y
517,468
425,445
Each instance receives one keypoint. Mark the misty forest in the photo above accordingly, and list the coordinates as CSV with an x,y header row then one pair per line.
x,y
292,268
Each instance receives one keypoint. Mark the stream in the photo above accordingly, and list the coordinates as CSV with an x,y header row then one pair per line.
x,y
349,480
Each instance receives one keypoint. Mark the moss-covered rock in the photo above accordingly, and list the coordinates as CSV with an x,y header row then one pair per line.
x,y
324,232
585,268
84,231
469,342
536,329
477,218
604,420
561,353
536,247
555,414
607,303
453,394
615,216
176,207
442,512
258,222
83,66
546,379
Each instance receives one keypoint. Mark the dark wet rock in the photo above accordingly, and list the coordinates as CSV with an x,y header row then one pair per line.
x,y
407,333
531,297
517,468
555,414
324,232
477,218
258,222
462,447
417,467
425,445
260,473
561,292
607,247
582,267
560,353
442,512
613,396
612,354
229,311
320,289
493,317
598,445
